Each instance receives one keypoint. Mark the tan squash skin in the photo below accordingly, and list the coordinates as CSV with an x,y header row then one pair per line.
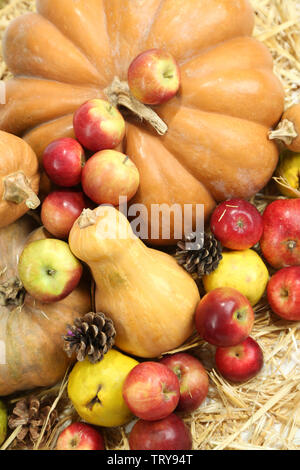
x,y
16,156
217,145
32,333
150,298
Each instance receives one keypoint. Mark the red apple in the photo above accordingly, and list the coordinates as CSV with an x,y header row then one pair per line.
x,y
240,363
63,161
280,242
237,224
169,433
192,377
151,391
108,175
154,77
60,210
224,317
283,293
80,436
98,125
48,270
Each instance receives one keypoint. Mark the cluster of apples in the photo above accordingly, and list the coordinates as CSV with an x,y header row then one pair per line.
x,y
224,317
85,179
155,392
237,224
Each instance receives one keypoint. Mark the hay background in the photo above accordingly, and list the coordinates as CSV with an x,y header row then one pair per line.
x,y
263,413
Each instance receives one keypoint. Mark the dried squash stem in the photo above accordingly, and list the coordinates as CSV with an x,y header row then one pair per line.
x,y
17,189
118,94
285,132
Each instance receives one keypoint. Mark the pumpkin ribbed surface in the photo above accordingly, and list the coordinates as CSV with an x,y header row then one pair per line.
x,y
216,146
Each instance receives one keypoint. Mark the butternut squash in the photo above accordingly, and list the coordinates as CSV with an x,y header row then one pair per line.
x,y
149,297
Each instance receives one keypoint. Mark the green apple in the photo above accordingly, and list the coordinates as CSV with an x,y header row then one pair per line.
x,y
48,270
3,422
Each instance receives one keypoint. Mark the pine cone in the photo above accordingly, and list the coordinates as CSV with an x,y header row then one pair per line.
x,y
31,414
203,260
91,336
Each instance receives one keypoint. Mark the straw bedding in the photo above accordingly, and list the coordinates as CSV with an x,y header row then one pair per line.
x,y
263,413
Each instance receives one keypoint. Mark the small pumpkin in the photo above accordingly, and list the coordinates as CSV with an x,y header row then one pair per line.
x,y
149,297
216,146
31,345
19,178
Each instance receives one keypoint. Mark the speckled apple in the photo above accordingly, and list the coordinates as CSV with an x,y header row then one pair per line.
x,y
192,377
170,433
237,224
224,317
240,363
98,125
280,242
63,160
283,292
151,391
109,175
80,436
60,210
48,270
154,77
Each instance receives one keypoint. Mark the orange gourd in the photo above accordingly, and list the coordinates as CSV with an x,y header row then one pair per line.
x,y
31,344
149,297
19,178
217,143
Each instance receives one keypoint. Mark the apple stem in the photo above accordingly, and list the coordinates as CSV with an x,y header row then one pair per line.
x,y
285,132
119,94
17,189
87,218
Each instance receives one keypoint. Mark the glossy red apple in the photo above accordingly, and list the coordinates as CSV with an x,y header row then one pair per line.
x,y
108,175
63,161
192,377
98,125
240,363
48,270
283,293
60,210
224,317
280,242
80,436
169,433
154,77
151,391
237,224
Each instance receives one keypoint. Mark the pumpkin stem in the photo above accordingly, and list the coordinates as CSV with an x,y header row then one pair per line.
x,y
285,132
118,94
87,218
11,292
17,189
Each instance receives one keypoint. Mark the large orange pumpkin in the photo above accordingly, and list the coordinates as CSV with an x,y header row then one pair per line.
x,y
216,145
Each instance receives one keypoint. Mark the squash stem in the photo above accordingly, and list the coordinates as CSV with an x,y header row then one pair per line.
x,y
118,94
87,218
17,189
285,132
